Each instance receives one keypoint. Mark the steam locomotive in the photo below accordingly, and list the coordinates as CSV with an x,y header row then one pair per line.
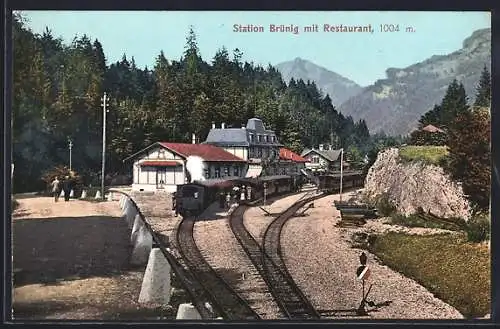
x,y
330,183
193,198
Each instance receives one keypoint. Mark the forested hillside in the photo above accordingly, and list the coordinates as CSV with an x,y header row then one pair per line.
x,y
58,86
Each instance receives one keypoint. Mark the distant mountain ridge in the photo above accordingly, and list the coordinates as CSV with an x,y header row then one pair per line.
x,y
395,104
338,87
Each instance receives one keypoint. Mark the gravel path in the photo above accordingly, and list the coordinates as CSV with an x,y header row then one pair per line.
x,y
72,262
323,263
157,209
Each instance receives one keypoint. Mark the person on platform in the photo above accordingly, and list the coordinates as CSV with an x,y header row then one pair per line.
x,y
67,186
56,188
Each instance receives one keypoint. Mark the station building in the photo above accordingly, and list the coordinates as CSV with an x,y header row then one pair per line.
x,y
162,165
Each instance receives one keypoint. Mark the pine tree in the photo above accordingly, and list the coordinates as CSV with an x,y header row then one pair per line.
x,y
454,102
483,90
469,159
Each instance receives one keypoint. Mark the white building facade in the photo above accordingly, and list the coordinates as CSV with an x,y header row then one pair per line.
x,y
162,166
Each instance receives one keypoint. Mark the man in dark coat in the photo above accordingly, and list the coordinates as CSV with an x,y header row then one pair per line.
x,y
67,185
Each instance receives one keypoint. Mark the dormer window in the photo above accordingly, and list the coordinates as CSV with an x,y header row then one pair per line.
x,y
274,139
252,137
260,138
267,138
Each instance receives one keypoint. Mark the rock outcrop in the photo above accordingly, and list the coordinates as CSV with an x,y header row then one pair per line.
x,y
409,186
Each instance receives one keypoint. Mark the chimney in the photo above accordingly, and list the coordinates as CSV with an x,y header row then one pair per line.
x,y
222,125
213,125
193,139
321,147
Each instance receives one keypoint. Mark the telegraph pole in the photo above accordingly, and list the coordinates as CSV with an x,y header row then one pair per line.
x,y
341,169
70,147
104,100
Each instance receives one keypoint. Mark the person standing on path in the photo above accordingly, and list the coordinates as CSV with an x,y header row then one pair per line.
x,y
56,188
67,188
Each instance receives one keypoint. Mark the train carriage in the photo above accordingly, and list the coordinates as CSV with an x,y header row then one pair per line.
x,y
195,197
330,183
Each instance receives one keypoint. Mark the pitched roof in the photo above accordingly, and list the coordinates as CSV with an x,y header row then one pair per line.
x,y
205,151
286,154
241,136
330,155
432,129
228,136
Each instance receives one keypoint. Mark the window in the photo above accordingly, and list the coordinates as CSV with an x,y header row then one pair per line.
x,y
259,152
315,159
226,171
283,171
236,171
207,173
274,139
267,138
252,138
161,154
217,172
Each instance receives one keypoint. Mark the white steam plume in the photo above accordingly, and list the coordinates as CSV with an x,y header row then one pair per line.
x,y
196,168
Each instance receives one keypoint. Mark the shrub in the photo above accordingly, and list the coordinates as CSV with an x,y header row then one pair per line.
x,y
61,172
384,206
478,229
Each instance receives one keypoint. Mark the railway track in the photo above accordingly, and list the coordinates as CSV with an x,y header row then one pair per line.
x,y
271,266
293,300
226,301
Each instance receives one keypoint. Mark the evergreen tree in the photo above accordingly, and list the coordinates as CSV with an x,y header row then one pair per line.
x,y
469,159
454,102
483,90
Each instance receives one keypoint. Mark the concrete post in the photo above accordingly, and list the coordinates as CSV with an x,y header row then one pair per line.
x,y
138,223
130,213
187,312
142,247
84,194
98,195
122,201
156,282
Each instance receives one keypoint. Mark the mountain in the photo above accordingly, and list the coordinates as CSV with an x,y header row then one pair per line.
x,y
338,87
395,104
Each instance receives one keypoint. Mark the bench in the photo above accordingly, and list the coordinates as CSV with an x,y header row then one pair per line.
x,y
342,205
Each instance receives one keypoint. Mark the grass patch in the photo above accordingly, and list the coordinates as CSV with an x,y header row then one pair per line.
x,y
454,270
428,154
418,221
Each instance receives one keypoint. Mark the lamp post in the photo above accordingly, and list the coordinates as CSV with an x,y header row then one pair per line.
x,y
104,99
70,145
341,170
